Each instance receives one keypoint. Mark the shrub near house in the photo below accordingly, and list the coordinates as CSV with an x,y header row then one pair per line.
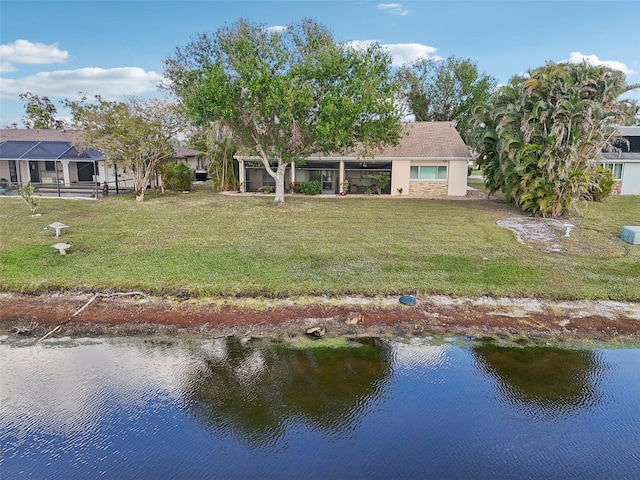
x,y
313,187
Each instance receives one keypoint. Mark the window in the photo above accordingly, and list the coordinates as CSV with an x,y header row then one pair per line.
x,y
428,172
50,166
616,169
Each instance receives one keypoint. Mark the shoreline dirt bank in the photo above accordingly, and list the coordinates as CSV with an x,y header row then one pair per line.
x,y
82,315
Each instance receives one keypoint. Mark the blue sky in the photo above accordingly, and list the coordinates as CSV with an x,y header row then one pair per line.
x,y
116,48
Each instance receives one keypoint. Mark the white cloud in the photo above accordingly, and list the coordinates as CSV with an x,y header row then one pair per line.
x,y
276,29
577,57
394,8
360,44
7,67
401,53
108,83
59,401
26,52
419,354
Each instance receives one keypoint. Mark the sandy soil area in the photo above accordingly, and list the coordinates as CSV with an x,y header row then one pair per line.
x,y
122,315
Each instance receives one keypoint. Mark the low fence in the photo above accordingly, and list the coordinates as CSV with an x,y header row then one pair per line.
x,y
77,189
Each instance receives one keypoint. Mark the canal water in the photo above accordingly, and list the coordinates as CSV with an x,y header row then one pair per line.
x,y
157,408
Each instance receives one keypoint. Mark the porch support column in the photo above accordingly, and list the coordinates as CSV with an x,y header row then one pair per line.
x,y
341,176
115,173
242,174
57,178
66,177
293,173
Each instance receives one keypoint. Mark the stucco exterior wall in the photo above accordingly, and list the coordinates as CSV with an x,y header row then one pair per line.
x,y
400,177
454,185
631,179
23,172
457,178
73,173
4,171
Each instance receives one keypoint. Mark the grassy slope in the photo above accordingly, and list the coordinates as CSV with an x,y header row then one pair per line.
x,y
203,244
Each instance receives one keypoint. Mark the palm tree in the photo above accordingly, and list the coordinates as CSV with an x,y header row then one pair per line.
x,y
540,137
221,147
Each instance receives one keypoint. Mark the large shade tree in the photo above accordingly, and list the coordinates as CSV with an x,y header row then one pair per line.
x,y
540,138
445,90
40,112
287,94
137,134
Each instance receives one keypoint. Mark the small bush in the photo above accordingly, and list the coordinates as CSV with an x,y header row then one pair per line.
x,y
31,198
313,187
382,179
603,182
179,177
295,187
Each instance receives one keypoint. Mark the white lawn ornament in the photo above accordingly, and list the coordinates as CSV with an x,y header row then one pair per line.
x,y
57,226
569,227
62,247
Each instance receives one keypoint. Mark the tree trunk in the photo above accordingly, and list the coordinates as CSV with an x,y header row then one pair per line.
x,y
139,184
278,176
282,168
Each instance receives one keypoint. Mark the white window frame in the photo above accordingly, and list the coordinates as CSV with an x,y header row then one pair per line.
x,y
439,169
617,169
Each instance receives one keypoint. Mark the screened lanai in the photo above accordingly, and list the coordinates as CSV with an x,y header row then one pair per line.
x,y
49,161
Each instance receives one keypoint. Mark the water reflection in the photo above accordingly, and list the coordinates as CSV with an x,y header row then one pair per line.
x,y
202,409
256,389
544,382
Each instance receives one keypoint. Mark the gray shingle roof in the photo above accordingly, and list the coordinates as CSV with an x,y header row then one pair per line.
x,y
38,135
419,140
428,140
629,131
183,152
423,140
621,156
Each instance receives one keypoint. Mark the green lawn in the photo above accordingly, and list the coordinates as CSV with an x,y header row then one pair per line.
x,y
205,244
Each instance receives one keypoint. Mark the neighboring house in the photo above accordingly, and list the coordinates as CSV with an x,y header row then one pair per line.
x,y
48,160
431,160
195,159
625,165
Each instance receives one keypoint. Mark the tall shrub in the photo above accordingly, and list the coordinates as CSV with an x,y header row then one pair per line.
x,y
541,137
179,177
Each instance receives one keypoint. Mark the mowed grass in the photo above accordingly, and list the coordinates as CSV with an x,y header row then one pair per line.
x,y
207,244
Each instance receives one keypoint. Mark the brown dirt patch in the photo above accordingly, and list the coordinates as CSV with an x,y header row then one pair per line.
x,y
34,316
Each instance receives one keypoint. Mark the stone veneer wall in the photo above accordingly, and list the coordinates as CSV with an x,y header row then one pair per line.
x,y
616,188
428,188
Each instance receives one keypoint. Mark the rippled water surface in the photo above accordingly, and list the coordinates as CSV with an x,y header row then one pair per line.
x,y
234,408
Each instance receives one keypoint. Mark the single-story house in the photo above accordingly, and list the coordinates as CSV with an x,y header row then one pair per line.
x,y
625,164
195,159
430,160
48,160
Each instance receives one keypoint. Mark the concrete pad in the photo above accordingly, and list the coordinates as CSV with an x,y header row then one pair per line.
x,y
631,235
